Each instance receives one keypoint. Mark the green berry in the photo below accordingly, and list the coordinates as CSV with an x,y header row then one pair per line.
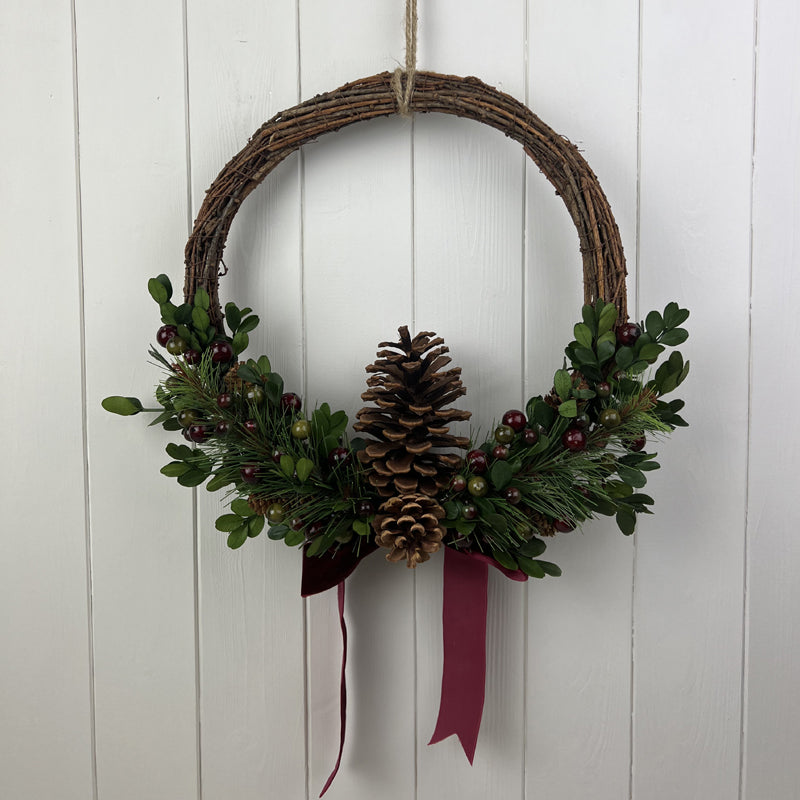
x,y
477,486
255,395
276,514
504,434
610,418
187,417
176,345
301,429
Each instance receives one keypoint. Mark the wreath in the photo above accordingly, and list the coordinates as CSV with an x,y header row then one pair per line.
x,y
405,483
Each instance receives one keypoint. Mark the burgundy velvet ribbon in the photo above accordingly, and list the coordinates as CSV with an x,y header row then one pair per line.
x,y
466,580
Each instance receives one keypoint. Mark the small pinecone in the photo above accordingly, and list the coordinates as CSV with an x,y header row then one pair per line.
x,y
411,423
231,379
543,525
259,504
408,526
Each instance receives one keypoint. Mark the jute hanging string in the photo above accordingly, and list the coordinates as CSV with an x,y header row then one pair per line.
x,y
427,92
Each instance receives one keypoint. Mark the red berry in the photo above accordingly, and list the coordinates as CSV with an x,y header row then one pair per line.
x,y
515,419
297,523
500,452
291,402
315,529
477,461
165,333
277,455
458,484
574,439
249,473
339,457
185,433
512,495
221,352
469,511
637,444
365,508
628,333
619,375
582,421
563,526
225,400
222,428
191,357
250,425
199,433
530,436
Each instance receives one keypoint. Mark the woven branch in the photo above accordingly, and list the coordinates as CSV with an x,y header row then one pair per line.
x,y
369,98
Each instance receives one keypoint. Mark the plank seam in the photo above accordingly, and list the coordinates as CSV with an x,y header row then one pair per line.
x,y
743,696
84,416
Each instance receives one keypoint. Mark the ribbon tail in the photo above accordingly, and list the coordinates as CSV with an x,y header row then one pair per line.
x,y
342,691
464,633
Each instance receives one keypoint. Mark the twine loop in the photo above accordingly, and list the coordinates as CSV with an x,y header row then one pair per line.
x,y
403,79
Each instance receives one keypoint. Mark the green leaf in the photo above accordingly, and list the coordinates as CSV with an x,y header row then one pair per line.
x,y
563,384
179,451
293,538
540,412
277,532
605,351
228,522
496,522
626,520
240,342
550,568
338,424
171,425
167,313
585,356
200,319
254,526
530,567
452,509
583,334
569,409
194,477
608,316
504,559
175,469
201,299
241,507
248,374
232,316
654,324
624,357
304,467
166,283
124,406
534,547
238,537
247,324
157,291
675,337
587,312
361,527
217,482
264,367
183,314
674,315
500,474
273,386
650,352
631,476
287,465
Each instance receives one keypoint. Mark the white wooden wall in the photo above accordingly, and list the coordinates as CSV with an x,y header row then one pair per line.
x,y
139,658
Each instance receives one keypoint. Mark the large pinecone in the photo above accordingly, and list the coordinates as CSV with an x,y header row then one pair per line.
x,y
409,527
410,422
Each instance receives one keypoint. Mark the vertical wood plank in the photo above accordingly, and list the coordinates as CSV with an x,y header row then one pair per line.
x,y
468,202
583,63
134,192
357,290
771,767
696,140
242,70
45,669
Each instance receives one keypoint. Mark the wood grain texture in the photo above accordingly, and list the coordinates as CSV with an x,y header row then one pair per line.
x,y
772,734
357,291
45,669
468,233
582,74
695,219
242,70
134,190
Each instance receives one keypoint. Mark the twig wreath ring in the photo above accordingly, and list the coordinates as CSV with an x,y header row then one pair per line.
x,y
409,486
